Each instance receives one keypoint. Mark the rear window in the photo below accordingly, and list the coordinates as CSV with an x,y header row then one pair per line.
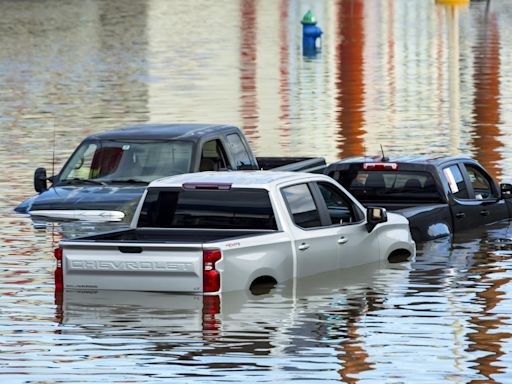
x,y
389,185
215,209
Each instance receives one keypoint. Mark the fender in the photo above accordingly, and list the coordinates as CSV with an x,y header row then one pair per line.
x,y
428,222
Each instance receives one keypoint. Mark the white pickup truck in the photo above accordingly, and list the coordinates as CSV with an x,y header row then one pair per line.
x,y
213,232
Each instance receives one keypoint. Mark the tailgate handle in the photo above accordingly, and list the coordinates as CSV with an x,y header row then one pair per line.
x,y
130,249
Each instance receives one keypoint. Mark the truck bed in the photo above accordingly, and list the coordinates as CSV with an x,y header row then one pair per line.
x,y
169,236
293,164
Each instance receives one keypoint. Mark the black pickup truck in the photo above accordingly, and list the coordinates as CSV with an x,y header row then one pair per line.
x,y
439,196
106,175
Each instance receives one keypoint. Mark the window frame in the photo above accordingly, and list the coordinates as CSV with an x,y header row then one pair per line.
x,y
234,155
321,206
469,184
355,211
220,145
289,210
176,189
462,171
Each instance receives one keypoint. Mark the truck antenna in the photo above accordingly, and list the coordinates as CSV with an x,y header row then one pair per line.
x,y
384,158
53,152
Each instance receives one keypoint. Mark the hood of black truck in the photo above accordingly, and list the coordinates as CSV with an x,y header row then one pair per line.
x,y
74,199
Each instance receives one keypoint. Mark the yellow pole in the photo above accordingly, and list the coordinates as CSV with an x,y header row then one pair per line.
x,y
453,2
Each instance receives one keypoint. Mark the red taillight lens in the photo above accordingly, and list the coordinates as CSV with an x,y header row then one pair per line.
x,y
211,277
380,166
59,276
57,252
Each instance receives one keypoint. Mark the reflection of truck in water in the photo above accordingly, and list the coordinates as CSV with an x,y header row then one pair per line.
x,y
439,196
105,177
227,231
286,306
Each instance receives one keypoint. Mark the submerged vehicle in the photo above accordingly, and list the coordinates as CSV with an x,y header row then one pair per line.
x,y
226,231
106,175
439,196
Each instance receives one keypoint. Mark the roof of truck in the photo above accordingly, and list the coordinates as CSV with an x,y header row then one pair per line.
x,y
237,179
186,131
420,160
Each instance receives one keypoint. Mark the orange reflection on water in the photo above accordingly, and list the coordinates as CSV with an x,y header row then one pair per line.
x,y
248,48
486,339
355,357
350,77
486,108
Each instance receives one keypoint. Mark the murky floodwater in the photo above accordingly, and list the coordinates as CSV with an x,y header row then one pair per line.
x,y
411,75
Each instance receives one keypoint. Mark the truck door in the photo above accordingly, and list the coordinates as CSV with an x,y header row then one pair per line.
x,y
316,246
475,199
461,206
488,205
355,245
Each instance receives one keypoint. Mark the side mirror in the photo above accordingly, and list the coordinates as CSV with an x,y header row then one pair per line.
x,y
40,184
374,216
506,190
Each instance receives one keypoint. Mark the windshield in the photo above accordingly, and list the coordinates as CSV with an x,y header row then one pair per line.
x,y
127,161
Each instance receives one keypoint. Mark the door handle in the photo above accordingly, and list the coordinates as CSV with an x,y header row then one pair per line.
x,y
342,240
303,246
484,212
460,215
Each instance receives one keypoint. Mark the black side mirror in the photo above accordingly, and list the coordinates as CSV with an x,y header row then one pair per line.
x,y
506,190
374,216
40,180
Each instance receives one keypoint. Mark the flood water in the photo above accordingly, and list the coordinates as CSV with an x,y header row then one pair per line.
x,y
411,75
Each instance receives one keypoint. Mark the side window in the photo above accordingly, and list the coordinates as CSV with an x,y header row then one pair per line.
x,y
481,185
213,156
85,167
341,210
242,160
456,182
302,206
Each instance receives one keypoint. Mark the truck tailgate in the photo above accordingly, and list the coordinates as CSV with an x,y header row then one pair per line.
x,y
141,267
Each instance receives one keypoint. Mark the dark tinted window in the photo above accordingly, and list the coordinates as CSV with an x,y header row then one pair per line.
x,y
228,209
239,152
481,185
369,185
456,182
341,210
302,206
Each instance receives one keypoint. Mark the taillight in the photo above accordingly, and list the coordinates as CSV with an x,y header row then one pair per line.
x,y
211,277
57,252
380,166
59,276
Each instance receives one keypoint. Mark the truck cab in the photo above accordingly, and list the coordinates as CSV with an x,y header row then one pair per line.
x,y
439,196
106,175
225,231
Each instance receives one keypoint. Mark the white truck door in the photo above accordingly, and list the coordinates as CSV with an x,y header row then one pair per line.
x,y
316,246
355,245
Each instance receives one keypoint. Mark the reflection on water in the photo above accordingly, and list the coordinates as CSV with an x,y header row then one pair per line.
x,y
410,75
443,315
